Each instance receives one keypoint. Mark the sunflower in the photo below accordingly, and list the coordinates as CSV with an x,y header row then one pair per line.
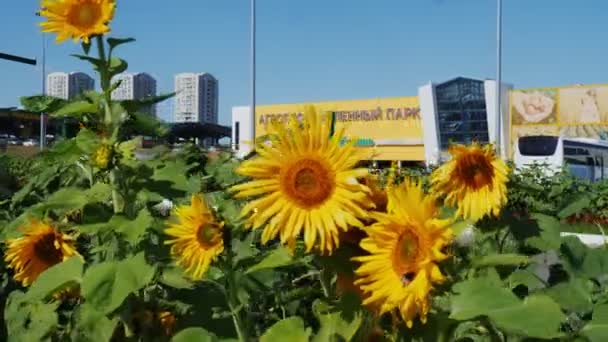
x,y
41,247
377,194
77,19
306,184
197,237
474,181
102,156
404,247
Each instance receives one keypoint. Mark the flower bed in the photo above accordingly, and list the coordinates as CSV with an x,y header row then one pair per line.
x,y
295,243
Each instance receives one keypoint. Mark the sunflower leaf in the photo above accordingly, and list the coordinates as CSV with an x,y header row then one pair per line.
x,y
29,321
194,334
108,284
597,330
117,66
291,329
87,140
76,109
134,230
501,259
535,316
57,278
277,258
92,325
335,322
114,42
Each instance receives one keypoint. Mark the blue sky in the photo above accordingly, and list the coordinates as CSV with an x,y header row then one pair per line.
x,y
329,49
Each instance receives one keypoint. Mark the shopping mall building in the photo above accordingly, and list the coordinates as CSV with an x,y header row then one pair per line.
x,y
420,128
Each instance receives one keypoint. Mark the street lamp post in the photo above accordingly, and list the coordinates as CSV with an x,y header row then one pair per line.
x,y
42,116
253,75
498,76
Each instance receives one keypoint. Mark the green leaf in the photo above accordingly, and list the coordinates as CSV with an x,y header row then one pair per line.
x,y
335,323
114,42
76,109
574,295
527,278
582,261
194,334
291,329
245,248
74,198
135,230
108,284
174,277
117,66
132,106
277,258
96,62
597,330
92,325
29,322
577,206
549,237
501,259
535,316
42,103
173,173
56,278
87,141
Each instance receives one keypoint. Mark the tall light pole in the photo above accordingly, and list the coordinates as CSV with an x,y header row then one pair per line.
x,y
42,121
253,34
498,75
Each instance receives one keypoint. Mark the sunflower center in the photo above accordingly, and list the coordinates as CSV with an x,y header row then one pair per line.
x,y
308,182
45,250
405,256
208,234
84,14
475,170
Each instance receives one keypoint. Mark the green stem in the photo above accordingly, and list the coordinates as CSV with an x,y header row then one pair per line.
x,y
117,202
231,290
325,286
103,72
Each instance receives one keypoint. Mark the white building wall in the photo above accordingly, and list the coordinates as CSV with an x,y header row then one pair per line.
x,y
197,98
136,86
428,112
242,145
57,84
505,134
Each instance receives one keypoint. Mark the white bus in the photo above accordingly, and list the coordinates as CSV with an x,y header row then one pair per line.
x,y
584,157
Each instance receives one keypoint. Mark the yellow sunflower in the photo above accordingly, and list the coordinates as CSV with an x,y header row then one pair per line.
x,y
77,19
305,183
102,156
41,247
197,237
474,181
404,247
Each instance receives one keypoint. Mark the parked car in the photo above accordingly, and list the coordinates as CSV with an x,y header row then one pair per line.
x,y
15,141
31,142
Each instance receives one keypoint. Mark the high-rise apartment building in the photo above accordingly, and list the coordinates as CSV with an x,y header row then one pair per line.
x,y
196,99
68,85
134,87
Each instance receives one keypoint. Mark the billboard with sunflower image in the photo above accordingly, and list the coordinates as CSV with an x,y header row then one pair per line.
x,y
574,111
386,128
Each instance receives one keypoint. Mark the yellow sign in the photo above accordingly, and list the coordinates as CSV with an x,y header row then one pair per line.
x,y
389,128
578,111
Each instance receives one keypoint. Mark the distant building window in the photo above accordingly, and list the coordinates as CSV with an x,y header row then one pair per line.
x,y
461,111
237,132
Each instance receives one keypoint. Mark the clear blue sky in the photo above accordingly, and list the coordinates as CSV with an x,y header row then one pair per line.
x,y
330,49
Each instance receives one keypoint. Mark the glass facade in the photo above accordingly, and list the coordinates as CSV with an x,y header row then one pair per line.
x,y
461,108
